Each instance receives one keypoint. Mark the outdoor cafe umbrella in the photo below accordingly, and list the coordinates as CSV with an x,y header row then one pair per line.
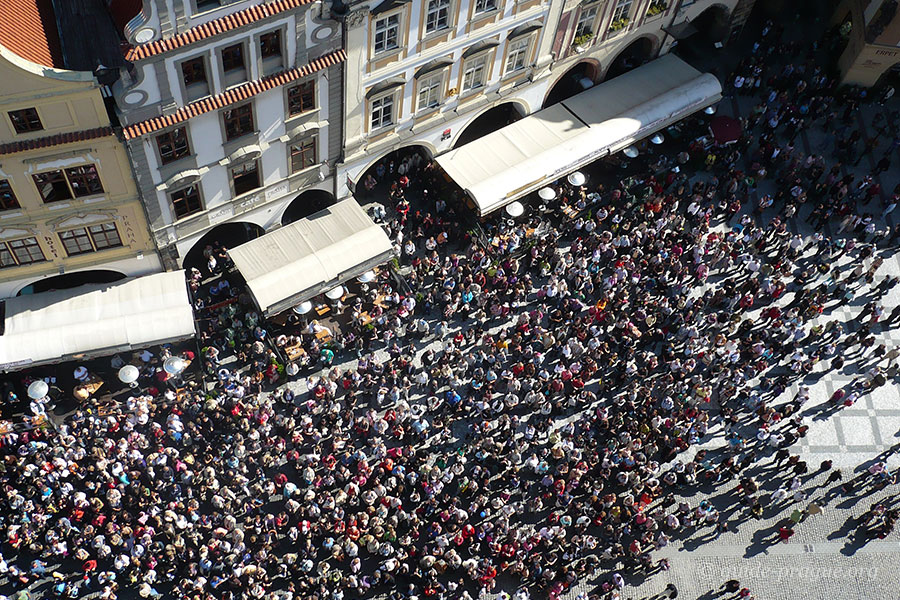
x,y
366,277
547,193
335,293
725,130
515,209
38,389
129,374
576,178
303,308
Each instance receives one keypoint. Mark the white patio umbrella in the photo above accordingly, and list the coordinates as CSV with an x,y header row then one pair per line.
x,y
129,374
631,152
577,178
174,365
335,293
515,209
657,139
38,389
710,110
366,277
303,308
547,193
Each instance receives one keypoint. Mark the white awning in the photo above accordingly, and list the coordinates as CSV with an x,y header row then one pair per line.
x,y
520,158
309,257
95,320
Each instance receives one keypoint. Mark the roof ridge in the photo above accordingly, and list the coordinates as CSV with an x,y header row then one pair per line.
x,y
212,28
233,95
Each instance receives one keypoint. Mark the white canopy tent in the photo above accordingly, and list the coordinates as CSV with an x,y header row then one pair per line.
x,y
311,256
95,320
535,151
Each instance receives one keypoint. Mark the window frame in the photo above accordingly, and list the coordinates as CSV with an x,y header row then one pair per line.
x,y
426,83
158,138
623,9
396,28
484,58
262,44
28,244
380,101
309,143
315,103
204,84
227,57
7,259
512,50
85,180
494,5
104,230
81,239
182,196
588,23
440,6
8,198
30,121
237,119
61,179
243,166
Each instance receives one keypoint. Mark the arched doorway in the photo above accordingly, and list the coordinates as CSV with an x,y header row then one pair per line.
x,y
375,182
837,39
577,79
494,118
712,23
68,281
306,204
634,55
227,235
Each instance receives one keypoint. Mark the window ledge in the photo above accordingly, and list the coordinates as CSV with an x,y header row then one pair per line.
x,y
378,56
299,118
478,17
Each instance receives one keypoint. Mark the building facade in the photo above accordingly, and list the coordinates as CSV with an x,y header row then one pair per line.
x,y
870,30
69,208
418,73
232,115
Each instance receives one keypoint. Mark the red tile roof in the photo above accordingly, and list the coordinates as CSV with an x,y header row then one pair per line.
x,y
212,28
28,28
55,140
232,96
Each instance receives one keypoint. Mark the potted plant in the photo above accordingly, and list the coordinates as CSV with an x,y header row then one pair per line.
x,y
656,8
581,42
618,24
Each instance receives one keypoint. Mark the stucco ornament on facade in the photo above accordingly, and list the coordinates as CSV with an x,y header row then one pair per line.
x,y
356,17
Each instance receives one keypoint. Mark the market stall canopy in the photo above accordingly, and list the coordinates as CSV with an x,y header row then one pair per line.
x,y
311,256
95,320
535,151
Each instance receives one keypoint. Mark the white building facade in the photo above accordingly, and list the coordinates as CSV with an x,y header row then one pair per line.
x,y
230,113
419,72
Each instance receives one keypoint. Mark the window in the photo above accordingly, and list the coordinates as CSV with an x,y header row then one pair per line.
x,y
270,45
52,186
186,201
196,84
233,65
238,121
482,6
8,198
172,145
387,31
105,236
270,52
622,10
430,91
303,155
245,177
84,181
76,241
25,120
517,55
438,15
585,25
90,239
6,257
474,72
301,98
26,251
383,112
204,5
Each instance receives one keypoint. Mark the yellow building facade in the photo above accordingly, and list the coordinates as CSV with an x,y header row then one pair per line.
x,y
69,207
872,32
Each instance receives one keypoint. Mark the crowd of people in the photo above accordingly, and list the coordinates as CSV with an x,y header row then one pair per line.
x,y
522,418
